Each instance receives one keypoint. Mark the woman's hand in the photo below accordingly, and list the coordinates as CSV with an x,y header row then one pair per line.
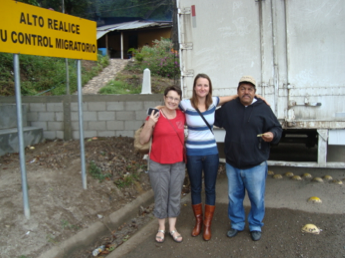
x,y
263,99
147,131
153,118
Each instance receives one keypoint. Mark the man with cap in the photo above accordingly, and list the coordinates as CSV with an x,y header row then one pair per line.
x,y
250,127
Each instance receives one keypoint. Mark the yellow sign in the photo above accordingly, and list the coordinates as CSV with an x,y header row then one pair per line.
x,y
31,30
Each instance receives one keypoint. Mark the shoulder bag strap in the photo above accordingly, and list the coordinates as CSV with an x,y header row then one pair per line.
x,y
203,118
173,128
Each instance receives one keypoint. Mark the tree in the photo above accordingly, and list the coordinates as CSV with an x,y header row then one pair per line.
x,y
32,2
73,7
146,9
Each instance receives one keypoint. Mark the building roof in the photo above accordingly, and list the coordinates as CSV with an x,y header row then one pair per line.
x,y
133,25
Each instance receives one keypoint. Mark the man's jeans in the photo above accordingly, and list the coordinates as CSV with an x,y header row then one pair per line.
x,y
254,181
195,166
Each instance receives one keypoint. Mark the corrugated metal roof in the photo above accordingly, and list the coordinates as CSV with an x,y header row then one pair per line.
x,y
101,31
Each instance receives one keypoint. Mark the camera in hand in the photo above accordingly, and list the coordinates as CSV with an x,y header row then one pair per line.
x,y
149,111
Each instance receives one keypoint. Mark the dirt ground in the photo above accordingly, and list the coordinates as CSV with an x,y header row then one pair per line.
x,y
59,205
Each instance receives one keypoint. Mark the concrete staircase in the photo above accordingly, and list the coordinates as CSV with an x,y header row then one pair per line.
x,y
9,141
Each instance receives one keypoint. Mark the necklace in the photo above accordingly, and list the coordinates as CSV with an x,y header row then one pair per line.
x,y
169,115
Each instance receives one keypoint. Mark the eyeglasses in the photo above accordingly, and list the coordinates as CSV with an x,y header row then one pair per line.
x,y
172,98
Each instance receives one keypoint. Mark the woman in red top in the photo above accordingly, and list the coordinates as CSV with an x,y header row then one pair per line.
x,y
166,165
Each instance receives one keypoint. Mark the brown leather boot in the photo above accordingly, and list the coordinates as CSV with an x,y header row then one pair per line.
x,y
209,211
197,209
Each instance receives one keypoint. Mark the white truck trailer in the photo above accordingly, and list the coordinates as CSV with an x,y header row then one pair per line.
x,y
295,49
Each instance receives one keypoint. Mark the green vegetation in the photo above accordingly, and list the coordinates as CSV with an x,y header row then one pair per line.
x,y
45,75
131,176
66,225
51,239
146,9
119,87
161,59
127,180
96,172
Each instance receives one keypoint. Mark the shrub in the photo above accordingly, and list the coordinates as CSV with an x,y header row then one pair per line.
x,y
161,59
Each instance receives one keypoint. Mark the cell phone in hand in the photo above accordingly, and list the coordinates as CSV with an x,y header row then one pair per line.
x,y
149,111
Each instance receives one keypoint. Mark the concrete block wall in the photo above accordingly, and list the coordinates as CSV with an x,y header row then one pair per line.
x,y
103,116
8,116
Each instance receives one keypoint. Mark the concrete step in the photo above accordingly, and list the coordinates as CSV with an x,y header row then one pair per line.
x,y
9,141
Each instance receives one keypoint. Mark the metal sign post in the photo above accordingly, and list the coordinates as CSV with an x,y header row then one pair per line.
x,y
21,136
81,129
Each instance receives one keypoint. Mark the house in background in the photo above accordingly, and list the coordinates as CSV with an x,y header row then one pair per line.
x,y
116,39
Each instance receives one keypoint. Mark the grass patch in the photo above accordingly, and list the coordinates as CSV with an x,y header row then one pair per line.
x,y
40,75
127,180
96,172
119,87
66,225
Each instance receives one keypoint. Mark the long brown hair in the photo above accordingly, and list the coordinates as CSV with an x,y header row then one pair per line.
x,y
194,98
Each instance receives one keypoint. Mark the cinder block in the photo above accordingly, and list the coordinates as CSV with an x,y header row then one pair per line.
x,y
90,116
125,133
74,116
32,116
75,125
115,125
106,116
54,107
140,115
39,107
75,135
87,134
96,106
148,104
59,134
74,106
125,115
42,125
59,116
131,105
106,133
51,135
115,106
97,125
90,134
46,116
132,125
55,126
8,116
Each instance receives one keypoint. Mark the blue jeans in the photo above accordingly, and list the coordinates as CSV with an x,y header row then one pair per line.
x,y
195,166
254,180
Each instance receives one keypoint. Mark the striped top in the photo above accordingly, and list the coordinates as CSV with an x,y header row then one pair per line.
x,y
200,141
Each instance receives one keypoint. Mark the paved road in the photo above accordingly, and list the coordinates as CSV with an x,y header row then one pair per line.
x,y
287,211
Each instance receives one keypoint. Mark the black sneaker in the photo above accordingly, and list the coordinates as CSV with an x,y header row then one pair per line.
x,y
256,235
232,232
